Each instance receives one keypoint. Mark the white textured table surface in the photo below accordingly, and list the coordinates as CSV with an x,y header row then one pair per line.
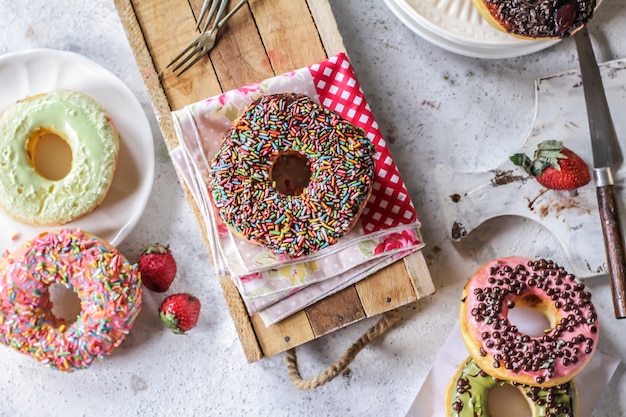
x,y
433,107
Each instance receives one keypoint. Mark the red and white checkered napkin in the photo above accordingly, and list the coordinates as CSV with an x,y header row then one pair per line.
x,y
339,90
277,286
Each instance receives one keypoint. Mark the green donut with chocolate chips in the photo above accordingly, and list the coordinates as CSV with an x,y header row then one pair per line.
x,y
468,394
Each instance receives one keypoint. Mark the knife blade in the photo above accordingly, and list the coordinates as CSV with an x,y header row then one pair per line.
x,y
607,155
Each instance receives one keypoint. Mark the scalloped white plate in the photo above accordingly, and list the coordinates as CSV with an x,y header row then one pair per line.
x,y
35,71
455,25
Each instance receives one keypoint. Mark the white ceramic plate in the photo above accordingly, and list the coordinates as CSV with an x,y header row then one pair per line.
x,y
23,74
455,25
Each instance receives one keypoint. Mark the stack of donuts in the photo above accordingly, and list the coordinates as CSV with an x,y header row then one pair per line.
x,y
542,367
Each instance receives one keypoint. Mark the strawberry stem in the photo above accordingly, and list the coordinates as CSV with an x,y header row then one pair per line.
x,y
156,248
171,321
547,155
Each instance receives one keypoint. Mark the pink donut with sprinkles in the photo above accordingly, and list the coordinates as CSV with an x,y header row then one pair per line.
x,y
108,286
504,352
275,207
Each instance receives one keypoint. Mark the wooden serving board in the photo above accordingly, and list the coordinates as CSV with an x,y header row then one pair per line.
x,y
263,39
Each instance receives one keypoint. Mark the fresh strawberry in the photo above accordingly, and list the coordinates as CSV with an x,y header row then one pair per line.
x,y
157,267
554,166
180,312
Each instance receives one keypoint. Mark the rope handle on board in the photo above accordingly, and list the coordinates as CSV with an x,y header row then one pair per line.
x,y
387,321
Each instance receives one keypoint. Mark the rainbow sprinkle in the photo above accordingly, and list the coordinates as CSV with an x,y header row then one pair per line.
x,y
342,173
108,286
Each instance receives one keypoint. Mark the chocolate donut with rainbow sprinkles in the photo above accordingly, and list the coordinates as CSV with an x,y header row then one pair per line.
x,y
500,349
273,206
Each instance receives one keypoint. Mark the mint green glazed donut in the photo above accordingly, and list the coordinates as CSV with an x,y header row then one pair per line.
x,y
30,197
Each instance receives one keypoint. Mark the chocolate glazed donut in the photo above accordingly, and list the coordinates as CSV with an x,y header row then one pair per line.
x,y
537,19
267,208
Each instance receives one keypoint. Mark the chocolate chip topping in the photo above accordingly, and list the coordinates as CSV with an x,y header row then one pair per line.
x,y
471,381
541,18
519,352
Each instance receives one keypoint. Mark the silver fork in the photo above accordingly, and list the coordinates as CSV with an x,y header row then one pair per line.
x,y
211,12
203,44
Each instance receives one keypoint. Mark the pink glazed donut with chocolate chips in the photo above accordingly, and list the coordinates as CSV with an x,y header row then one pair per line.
x,y
504,352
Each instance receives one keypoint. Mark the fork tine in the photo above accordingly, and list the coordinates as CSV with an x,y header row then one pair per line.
x,y
203,44
205,7
200,55
232,12
206,12
215,15
191,45
188,57
206,40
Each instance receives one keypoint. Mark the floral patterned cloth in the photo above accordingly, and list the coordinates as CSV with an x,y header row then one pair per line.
x,y
278,285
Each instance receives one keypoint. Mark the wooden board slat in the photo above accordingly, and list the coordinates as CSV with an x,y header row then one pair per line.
x,y
290,38
246,42
390,291
265,38
291,332
333,313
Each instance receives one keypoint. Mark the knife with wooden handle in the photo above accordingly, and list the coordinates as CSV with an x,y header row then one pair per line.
x,y
606,156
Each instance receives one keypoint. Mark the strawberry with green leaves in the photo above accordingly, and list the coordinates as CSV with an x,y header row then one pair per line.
x,y
180,312
157,267
554,166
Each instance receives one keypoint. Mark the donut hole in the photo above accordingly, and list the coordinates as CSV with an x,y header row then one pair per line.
x,y
49,154
508,401
291,173
65,303
530,321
